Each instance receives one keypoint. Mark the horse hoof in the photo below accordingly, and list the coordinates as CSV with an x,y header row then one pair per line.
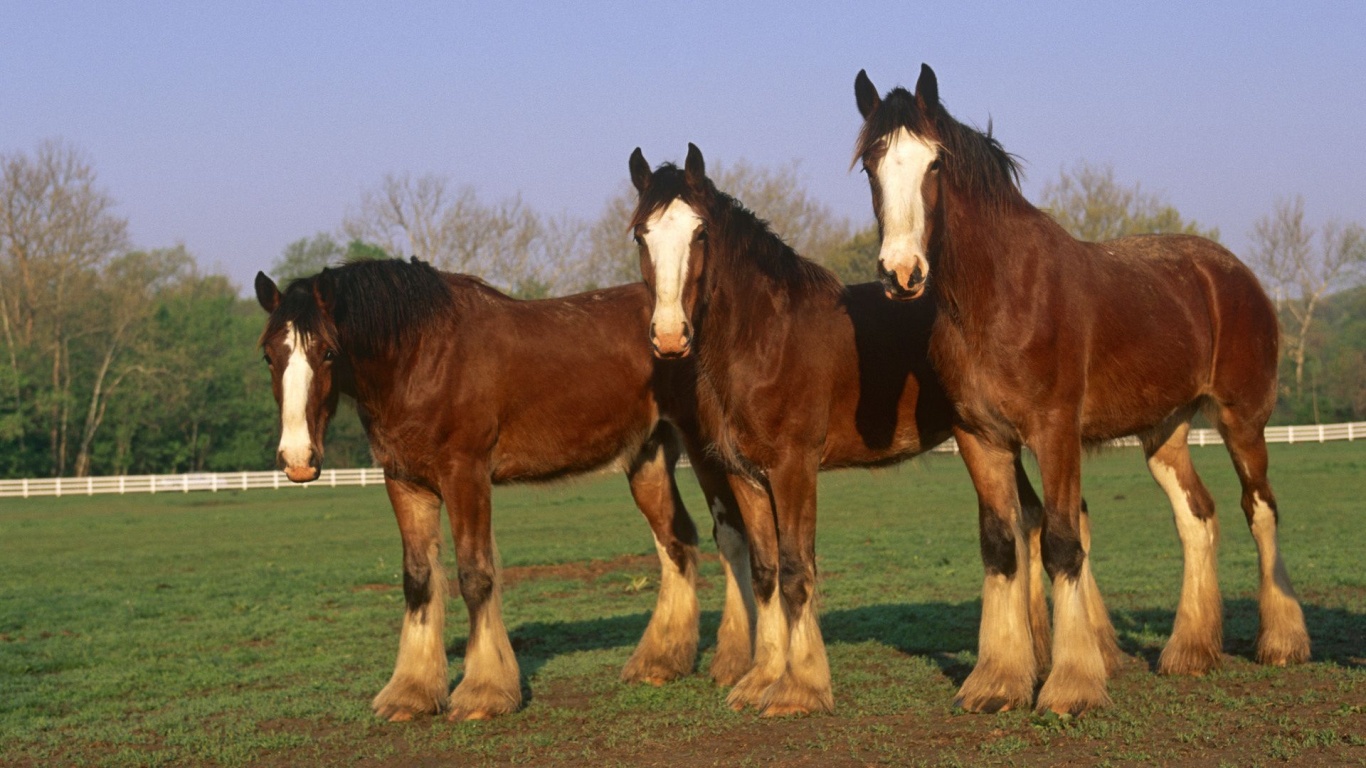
x,y
988,706
789,696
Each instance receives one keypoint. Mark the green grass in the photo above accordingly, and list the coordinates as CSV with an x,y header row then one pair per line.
x,y
253,628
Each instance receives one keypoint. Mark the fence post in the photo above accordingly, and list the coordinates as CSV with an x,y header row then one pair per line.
x,y
89,485
26,487
1320,433
185,482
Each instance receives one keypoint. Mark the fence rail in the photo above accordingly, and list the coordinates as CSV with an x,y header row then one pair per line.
x,y
333,478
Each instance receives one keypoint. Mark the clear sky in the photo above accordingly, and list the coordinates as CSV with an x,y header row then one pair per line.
x,y
238,127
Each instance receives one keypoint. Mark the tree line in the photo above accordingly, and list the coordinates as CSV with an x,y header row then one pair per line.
x,y
125,360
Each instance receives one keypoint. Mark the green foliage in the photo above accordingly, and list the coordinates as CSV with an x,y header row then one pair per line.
x,y
308,256
1335,366
855,260
252,628
1092,205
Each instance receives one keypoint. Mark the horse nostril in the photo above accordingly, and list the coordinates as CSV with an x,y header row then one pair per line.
x,y
917,276
687,333
653,335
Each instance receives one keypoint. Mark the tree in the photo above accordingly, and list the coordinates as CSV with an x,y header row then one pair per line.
x,y
776,195
855,260
57,230
505,243
1299,275
1090,204
124,299
308,256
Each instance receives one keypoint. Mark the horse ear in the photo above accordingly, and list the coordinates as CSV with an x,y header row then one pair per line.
x,y
694,167
324,291
640,170
266,292
865,93
927,91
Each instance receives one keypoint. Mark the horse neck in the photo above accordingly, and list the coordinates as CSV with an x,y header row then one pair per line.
x,y
737,299
981,267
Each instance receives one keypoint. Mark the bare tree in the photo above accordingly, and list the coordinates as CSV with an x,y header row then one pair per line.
x,y
777,195
504,242
1089,203
1300,275
56,229
123,301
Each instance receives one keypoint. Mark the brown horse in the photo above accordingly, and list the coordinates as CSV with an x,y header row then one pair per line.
x,y
1050,343
459,386
800,373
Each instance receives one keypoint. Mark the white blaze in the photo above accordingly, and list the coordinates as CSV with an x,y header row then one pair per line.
x,y
669,235
295,383
901,174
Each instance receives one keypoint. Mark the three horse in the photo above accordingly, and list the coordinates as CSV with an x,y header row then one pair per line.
x,y
458,387
1049,343
802,374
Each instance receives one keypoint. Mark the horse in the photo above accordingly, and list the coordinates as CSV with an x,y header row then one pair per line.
x,y
1052,344
800,373
458,387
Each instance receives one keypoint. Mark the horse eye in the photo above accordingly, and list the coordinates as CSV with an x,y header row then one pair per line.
x,y
329,356
702,236
934,166
637,239
266,358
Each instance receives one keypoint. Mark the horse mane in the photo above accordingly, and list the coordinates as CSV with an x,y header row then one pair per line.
x,y
974,161
749,239
376,305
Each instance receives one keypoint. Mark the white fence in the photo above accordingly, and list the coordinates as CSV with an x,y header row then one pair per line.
x,y
241,481
196,481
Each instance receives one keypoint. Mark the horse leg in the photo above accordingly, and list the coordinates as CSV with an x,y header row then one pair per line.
x,y
492,682
1095,605
771,625
1197,635
668,649
1077,680
805,684
1031,520
735,637
1281,636
418,685
1007,662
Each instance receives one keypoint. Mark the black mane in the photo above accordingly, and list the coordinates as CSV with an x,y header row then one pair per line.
x,y
377,305
974,161
748,238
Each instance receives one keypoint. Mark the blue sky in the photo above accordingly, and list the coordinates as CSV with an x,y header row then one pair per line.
x,y
236,128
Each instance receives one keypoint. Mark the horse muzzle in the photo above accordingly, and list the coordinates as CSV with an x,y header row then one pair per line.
x,y
913,287
304,472
671,345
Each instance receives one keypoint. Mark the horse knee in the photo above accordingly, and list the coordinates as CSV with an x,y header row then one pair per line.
x,y
765,581
1063,554
998,545
476,585
417,583
795,583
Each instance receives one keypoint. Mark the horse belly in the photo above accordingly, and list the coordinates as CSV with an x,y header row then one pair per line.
x,y
560,442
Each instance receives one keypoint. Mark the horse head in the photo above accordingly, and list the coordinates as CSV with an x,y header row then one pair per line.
x,y
901,152
299,344
670,227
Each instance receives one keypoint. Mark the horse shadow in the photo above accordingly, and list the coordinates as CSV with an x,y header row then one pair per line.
x,y
941,632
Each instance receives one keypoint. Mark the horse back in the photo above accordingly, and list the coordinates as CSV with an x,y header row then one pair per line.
x,y
555,387
1177,315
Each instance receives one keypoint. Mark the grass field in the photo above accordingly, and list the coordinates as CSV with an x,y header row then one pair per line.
x,y
254,628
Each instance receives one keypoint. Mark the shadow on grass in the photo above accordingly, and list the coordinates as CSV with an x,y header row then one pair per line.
x,y
941,632
1335,634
